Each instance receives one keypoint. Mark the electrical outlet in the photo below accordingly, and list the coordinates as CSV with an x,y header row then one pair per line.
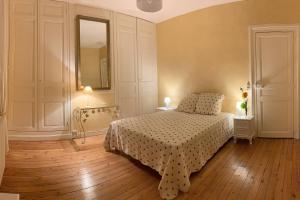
x,y
74,134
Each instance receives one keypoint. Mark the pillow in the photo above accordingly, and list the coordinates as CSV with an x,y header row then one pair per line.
x,y
188,104
209,104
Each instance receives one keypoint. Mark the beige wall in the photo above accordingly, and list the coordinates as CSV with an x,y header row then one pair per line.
x,y
208,49
103,52
103,55
97,98
90,67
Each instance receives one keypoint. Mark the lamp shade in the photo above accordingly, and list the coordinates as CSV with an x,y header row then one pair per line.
x,y
149,5
167,101
88,89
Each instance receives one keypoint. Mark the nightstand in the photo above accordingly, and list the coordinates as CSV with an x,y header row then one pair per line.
x,y
244,128
165,108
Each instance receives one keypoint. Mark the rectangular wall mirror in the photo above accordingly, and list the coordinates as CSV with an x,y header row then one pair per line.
x,y
93,53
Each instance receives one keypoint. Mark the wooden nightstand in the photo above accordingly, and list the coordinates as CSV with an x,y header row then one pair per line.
x,y
244,128
165,108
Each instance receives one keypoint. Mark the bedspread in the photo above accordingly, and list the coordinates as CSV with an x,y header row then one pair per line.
x,y
175,144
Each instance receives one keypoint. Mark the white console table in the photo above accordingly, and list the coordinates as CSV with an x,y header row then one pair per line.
x,y
81,115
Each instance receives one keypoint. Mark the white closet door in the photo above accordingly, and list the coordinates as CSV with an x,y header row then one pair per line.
x,y
22,114
147,66
53,92
126,62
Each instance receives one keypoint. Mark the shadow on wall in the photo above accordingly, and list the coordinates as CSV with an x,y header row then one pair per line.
x,y
55,113
98,121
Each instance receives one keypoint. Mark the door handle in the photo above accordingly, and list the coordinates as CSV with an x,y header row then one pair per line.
x,y
259,86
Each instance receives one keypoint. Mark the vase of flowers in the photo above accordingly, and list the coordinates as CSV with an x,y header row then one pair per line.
x,y
244,104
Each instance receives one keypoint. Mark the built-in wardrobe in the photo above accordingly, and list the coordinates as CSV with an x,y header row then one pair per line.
x,y
136,65
41,67
38,69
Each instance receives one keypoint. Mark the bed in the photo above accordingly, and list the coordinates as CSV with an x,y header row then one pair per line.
x,y
175,144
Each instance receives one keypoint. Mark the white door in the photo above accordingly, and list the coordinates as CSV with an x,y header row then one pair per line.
x,y
53,67
147,66
274,56
126,62
22,112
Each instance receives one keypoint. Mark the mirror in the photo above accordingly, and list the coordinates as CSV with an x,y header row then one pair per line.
x,y
93,53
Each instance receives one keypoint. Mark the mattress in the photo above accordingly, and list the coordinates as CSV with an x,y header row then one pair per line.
x,y
175,144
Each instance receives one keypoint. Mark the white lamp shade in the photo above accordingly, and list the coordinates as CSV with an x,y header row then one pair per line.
x,y
167,101
149,5
88,89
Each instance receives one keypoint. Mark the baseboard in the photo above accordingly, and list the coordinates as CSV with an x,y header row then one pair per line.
x,y
90,133
274,136
39,136
98,132
44,136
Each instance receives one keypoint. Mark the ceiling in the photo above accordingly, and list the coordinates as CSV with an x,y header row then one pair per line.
x,y
171,8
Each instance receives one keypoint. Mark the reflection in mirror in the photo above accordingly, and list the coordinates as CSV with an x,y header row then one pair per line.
x,y
93,58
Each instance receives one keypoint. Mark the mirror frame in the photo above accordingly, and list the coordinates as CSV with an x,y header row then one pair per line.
x,y
78,54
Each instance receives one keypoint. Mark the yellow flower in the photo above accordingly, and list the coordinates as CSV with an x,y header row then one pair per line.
x,y
245,95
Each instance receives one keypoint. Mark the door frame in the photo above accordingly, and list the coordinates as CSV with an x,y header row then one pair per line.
x,y
278,28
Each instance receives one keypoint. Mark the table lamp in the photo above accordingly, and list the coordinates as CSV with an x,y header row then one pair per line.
x,y
167,101
87,90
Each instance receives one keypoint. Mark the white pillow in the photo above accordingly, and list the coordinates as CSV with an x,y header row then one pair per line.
x,y
188,104
209,103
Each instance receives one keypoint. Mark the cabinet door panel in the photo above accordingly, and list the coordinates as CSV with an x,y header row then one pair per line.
x,y
23,113
147,97
22,107
53,66
55,114
147,66
127,65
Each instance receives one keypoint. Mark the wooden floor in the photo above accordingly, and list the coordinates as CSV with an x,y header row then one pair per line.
x,y
269,169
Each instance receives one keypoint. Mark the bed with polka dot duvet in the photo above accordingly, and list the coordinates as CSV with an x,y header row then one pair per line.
x,y
175,144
